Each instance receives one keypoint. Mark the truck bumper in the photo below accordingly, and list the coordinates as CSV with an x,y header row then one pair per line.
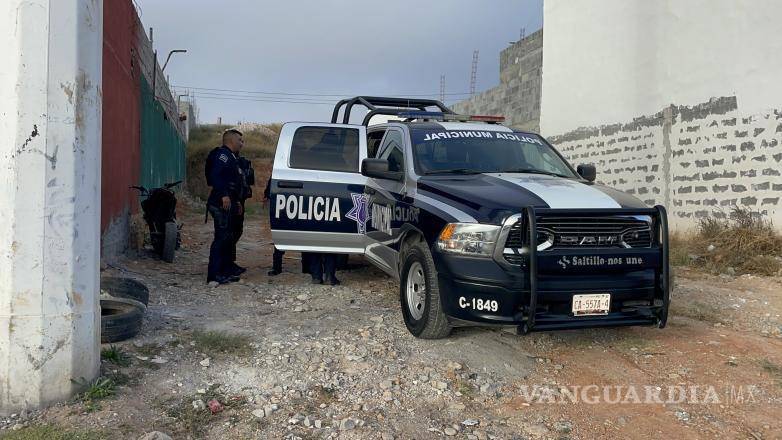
x,y
537,295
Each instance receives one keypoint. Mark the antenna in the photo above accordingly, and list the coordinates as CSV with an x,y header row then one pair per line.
x,y
474,72
442,88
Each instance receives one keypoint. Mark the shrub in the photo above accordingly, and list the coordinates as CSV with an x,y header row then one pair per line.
x,y
744,240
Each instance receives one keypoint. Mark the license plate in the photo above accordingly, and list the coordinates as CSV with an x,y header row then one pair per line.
x,y
594,304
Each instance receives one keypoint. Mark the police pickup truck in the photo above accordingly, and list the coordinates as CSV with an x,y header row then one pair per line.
x,y
480,224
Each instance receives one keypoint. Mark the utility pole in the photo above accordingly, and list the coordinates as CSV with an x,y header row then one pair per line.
x,y
523,33
474,73
442,88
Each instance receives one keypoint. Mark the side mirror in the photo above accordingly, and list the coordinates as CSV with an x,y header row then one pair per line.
x,y
378,168
587,171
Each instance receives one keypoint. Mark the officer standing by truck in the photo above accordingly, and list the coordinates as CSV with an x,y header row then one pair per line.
x,y
225,204
237,226
278,254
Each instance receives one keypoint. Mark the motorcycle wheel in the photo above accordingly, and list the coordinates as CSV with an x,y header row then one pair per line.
x,y
169,242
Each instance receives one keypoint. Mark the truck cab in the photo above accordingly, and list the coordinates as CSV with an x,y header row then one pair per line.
x,y
480,224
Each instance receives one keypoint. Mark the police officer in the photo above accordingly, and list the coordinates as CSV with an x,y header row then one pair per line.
x,y
277,255
225,205
237,225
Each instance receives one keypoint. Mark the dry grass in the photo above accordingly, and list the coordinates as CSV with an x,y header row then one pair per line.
x,y
195,422
258,144
52,433
774,370
698,311
217,342
744,240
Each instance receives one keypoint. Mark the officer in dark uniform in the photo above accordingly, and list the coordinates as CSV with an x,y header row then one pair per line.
x,y
277,255
225,205
237,225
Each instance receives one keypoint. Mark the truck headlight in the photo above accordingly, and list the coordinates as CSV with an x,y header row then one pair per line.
x,y
468,239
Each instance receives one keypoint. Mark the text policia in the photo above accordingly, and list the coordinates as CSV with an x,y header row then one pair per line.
x,y
308,208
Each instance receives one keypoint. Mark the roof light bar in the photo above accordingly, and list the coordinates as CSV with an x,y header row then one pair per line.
x,y
421,114
487,118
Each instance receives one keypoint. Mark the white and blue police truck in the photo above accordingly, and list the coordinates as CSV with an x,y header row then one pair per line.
x,y
480,224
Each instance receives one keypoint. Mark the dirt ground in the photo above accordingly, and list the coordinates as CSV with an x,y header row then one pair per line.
x,y
293,360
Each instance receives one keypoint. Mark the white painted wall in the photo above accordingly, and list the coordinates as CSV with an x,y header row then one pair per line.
x,y
50,131
607,61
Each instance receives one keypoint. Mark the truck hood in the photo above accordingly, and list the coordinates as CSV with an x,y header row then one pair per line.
x,y
489,198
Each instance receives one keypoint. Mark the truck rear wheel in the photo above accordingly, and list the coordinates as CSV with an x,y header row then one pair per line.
x,y
419,294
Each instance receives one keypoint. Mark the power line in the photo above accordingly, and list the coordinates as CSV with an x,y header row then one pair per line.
x,y
340,95
264,100
232,95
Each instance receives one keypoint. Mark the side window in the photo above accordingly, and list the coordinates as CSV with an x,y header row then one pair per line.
x,y
325,148
542,159
373,142
392,149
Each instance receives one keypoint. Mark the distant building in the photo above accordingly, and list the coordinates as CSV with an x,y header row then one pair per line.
x,y
518,95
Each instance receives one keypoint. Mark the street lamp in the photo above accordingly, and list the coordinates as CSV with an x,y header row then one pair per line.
x,y
154,69
169,57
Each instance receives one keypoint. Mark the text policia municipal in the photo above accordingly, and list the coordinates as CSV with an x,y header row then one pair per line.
x,y
481,134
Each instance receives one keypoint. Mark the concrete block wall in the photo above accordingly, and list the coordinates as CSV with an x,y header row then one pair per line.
x,y
518,95
696,160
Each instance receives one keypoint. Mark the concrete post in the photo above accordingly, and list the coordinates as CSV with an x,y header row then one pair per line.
x,y
50,131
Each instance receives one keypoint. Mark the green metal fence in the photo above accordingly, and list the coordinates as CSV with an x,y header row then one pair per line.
x,y
162,148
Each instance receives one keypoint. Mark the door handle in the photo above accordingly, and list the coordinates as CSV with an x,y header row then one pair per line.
x,y
289,184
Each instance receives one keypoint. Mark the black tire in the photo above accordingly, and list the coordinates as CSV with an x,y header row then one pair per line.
x,y
169,243
125,288
433,324
118,321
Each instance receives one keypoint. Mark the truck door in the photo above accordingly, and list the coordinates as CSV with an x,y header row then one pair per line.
x,y
317,201
387,205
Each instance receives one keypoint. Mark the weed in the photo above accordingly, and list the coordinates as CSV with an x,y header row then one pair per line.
x,y
119,378
97,390
698,311
115,355
48,432
220,342
465,388
149,350
774,370
195,420
325,395
744,240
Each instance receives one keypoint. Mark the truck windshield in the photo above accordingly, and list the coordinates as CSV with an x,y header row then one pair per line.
x,y
478,151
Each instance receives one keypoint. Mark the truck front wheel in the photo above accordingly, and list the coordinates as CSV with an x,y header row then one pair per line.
x,y
419,294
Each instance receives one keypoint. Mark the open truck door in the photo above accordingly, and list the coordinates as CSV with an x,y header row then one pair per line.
x,y
317,199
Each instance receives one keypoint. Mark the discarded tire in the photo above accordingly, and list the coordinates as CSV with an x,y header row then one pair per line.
x,y
125,288
118,320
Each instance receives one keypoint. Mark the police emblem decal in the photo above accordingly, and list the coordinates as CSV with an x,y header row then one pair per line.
x,y
360,211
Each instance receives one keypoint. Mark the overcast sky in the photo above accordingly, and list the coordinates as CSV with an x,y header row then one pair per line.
x,y
339,48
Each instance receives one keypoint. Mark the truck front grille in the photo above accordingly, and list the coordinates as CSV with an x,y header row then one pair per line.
x,y
583,233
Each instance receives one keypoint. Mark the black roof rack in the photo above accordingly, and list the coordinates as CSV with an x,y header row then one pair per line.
x,y
378,105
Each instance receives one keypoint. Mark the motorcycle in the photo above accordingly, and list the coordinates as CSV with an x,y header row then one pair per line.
x,y
159,208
